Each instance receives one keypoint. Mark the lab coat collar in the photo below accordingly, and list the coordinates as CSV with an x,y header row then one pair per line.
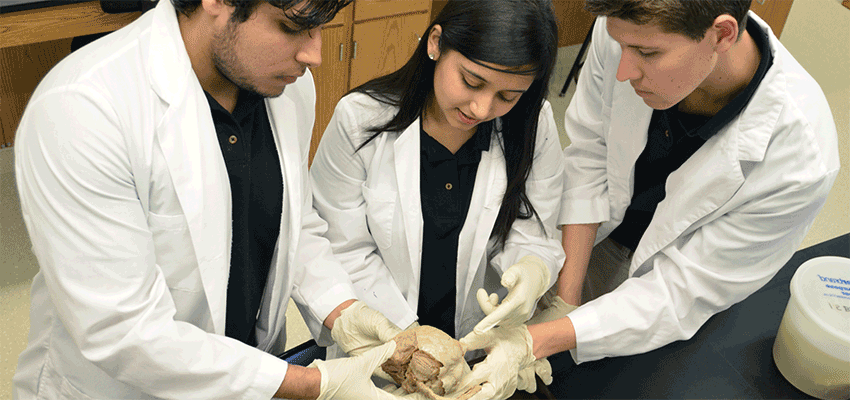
x,y
170,68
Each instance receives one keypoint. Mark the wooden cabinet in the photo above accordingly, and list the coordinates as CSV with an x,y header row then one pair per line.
x,y
32,42
366,40
774,12
383,32
384,45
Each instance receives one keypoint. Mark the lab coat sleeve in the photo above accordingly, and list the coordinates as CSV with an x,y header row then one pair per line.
x,y
585,196
339,174
708,270
543,188
95,250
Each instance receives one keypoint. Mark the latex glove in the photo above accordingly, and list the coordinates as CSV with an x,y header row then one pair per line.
x,y
526,378
350,378
526,281
550,307
509,350
359,328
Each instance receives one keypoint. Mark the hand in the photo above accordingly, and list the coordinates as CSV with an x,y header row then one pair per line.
x,y
526,378
509,350
550,307
526,281
350,378
360,328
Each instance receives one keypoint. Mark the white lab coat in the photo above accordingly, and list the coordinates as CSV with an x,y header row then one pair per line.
x,y
734,212
371,200
126,197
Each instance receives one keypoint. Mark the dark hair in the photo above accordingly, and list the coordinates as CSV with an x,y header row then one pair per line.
x,y
314,13
509,33
691,18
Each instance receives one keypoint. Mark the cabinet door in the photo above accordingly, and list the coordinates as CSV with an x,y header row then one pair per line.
x,y
774,12
371,9
384,45
21,68
331,79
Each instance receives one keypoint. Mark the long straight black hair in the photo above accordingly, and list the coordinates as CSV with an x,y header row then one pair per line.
x,y
509,33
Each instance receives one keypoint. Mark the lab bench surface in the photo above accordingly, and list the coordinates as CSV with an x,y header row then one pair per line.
x,y
729,357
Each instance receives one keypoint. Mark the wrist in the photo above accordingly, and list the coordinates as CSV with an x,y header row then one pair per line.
x,y
552,337
300,383
331,318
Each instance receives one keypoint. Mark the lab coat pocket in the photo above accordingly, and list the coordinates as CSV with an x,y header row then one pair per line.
x,y
52,385
175,254
380,210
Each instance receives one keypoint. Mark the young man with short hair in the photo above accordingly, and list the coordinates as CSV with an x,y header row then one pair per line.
x,y
163,179
700,154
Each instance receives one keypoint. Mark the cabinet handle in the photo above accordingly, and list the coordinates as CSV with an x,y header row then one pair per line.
x,y
341,50
761,2
354,51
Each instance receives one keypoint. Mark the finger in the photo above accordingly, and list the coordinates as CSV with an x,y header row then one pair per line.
x,y
511,277
486,302
377,356
526,380
487,392
476,340
480,373
544,370
495,317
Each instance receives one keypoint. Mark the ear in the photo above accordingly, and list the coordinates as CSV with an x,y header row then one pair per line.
x,y
216,8
724,32
434,41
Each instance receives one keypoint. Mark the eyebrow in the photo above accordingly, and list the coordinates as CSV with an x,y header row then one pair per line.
x,y
634,46
479,77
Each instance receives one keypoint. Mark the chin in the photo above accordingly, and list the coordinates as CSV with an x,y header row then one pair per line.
x,y
658,105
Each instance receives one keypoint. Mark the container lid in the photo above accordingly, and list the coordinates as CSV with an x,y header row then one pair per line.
x,y
821,287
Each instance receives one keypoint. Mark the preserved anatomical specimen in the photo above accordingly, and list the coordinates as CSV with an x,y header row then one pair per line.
x,y
429,361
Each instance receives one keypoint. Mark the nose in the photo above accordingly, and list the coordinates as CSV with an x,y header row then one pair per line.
x,y
481,105
310,53
628,70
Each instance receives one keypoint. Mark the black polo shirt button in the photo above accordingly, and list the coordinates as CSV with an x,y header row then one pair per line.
x,y
232,139
448,186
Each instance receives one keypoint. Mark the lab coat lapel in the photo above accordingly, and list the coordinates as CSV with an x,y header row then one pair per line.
x,y
286,141
481,217
188,141
627,138
407,178
716,166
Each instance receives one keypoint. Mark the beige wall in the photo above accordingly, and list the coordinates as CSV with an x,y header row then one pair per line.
x,y
817,33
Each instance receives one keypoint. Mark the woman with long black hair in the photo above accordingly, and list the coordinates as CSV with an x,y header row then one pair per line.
x,y
442,180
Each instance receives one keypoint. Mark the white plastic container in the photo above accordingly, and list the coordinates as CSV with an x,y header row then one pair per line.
x,y
812,347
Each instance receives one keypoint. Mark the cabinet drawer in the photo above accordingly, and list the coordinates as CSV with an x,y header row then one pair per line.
x,y
372,9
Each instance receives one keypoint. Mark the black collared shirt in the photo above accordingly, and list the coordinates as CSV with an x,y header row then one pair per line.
x,y
674,137
446,183
256,188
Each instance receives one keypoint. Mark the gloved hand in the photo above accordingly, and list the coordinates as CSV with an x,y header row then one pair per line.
x,y
526,378
550,307
509,350
526,281
349,378
359,328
